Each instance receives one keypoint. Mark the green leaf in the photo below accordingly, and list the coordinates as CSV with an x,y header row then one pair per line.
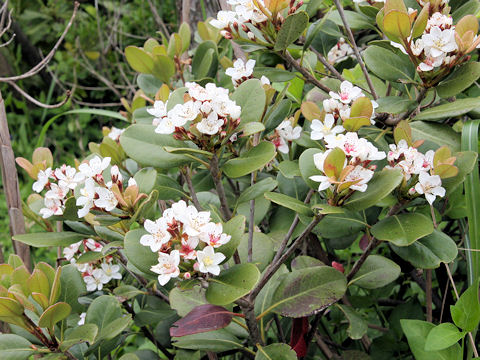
x,y
388,65
294,25
357,325
435,135
127,291
289,169
250,96
289,202
235,227
416,332
183,301
381,185
403,229
10,307
394,104
462,78
139,59
83,333
72,286
254,159
307,167
232,284
273,74
205,60
146,179
217,341
429,251
143,145
251,128
54,314
307,291
466,311
163,67
262,250
114,328
103,311
141,256
275,352
448,110
256,190
443,336
377,271
470,135
340,225
150,85
46,239
14,347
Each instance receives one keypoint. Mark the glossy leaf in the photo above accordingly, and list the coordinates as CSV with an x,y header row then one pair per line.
x,y
275,352
254,159
462,78
307,291
217,341
377,271
54,314
141,256
184,301
447,110
46,239
403,229
83,333
466,311
443,336
289,202
202,318
235,227
232,284
257,189
388,65
250,95
292,28
15,347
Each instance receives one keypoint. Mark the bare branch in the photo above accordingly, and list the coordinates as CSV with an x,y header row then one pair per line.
x,y
39,103
158,19
327,65
308,77
37,68
355,48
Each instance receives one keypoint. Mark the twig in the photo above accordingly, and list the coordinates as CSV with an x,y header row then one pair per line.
x,y
472,342
372,245
428,294
158,19
281,335
251,223
38,103
251,322
323,346
217,179
37,68
191,189
325,63
355,48
308,77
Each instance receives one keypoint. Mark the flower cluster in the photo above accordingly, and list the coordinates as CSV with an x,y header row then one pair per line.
x,y
436,46
284,134
416,168
184,234
242,71
341,51
207,111
95,274
354,170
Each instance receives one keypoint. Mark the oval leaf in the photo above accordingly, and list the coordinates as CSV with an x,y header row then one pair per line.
x,y
403,229
376,272
254,159
54,314
203,318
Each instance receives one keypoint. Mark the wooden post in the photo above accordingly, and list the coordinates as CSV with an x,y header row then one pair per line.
x,y
11,187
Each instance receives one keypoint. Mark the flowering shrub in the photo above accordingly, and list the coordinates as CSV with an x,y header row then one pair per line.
x,y
304,198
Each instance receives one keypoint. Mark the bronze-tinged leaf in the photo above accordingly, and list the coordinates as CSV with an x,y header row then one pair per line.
x,y
202,318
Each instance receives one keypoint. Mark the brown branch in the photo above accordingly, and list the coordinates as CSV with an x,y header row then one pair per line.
x,y
158,19
355,48
372,245
306,74
188,179
38,103
327,65
37,68
11,187
217,180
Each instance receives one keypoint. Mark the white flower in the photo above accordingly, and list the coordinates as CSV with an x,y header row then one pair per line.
x,y
159,109
165,126
158,234
94,167
42,180
187,251
82,319
439,20
208,261
211,125
281,144
224,19
430,186
70,251
93,245
110,272
397,150
348,92
321,130
264,80
198,92
318,160
56,192
52,207
115,133
106,200
361,175
167,266
438,41
195,221
431,62
132,182
286,131
116,174
181,113
331,105
240,70
226,107
86,199
94,281
340,51
213,235
68,177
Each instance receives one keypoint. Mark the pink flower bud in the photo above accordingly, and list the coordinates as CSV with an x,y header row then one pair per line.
x,y
338,266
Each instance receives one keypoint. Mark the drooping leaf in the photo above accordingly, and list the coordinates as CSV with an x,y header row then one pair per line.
x,y
46,239
443,336
15,347
217,341
254,159
357,325
466,311
83,333
54,314
202,318
447,110
462,78
289,202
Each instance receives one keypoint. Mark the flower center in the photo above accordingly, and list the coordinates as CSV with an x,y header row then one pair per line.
x,y
208,261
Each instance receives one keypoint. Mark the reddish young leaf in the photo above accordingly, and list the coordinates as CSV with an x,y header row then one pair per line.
x,y
297,337
202,318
